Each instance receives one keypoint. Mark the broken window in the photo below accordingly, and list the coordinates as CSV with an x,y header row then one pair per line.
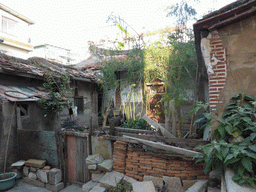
x,y
23,110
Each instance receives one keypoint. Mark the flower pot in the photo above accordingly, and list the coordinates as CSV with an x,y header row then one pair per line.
x,y
9,182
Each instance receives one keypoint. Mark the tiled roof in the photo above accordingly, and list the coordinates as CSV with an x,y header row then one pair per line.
x,y
38,67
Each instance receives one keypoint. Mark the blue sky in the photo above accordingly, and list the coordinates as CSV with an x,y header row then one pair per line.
x,y
70,24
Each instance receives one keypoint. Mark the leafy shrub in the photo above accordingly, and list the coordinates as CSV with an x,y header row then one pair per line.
x,y
72,125
137,124
238,120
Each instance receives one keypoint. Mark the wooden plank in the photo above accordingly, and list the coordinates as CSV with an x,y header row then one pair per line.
x,y
79,159
86,172
128,130
165,147
158,126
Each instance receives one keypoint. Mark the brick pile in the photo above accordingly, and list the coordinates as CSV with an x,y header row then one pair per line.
x,y
119,156
139,162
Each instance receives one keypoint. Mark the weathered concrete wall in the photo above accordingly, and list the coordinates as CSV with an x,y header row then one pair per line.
x,y
89,92
7,123
230,57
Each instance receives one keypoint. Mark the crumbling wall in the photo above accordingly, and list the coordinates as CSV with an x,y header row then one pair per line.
x,y
136,162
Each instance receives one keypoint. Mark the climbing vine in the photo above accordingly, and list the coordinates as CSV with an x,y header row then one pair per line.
x,y
58,88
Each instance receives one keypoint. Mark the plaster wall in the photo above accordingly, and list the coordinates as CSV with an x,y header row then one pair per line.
x,y
239,40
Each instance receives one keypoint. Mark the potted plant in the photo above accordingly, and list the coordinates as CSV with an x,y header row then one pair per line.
x,y
7,180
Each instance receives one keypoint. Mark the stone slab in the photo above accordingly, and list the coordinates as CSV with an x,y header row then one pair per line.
x,y
33,182
172,183
92,167
18,172
94,159
96,177
72,188
213,189
98,189
127,182
102,146
199,186
26,171
35,163
33,169
43,175
88,186
32,175
55,188
18,163
111,179
157,181
144,186
106,165
55,176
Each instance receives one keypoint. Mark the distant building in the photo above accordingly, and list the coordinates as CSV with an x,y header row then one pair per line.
x,y
14,33
56,54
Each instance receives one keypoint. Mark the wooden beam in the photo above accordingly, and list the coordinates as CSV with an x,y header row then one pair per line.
x,y
165,147
158,126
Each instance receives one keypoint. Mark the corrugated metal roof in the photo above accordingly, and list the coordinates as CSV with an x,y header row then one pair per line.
x,y
22,93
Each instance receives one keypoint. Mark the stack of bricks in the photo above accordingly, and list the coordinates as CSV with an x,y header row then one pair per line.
x,y
119,156
217,79
139,163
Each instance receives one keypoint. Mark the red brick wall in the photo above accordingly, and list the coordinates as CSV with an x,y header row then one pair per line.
x,y
136,162
217,79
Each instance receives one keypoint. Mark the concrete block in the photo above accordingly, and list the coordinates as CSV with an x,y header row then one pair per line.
x,y
199,186
26,171
32,175
55,188
55,176
172,183
96,177
94,159
33,182
144,186
43,175
102,146
98,189
106,165
35,163
111,179
92,167
232,186
157,181
88,186
127,182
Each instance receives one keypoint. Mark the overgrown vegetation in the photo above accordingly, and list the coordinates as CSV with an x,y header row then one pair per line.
x,y
72,125
137,124
235,140
58,88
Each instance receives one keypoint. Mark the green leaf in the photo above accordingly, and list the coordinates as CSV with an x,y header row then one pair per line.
x,y
247,120
221,130
247,163
228,157
230,105
237,96
221,121
252,147
235,134
252,136
229,129
249,98
225,152
231,161
240,170
208,151
252,155
236,177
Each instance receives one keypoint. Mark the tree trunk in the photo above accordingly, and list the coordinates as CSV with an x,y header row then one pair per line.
x,y
105,116
178,115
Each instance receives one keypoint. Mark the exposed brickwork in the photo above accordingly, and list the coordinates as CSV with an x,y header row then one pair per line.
x,y
136,162
217,79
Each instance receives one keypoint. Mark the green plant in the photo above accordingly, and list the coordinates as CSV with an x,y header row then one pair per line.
x,y
120,188
238,120
137,124
72,125
58,88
